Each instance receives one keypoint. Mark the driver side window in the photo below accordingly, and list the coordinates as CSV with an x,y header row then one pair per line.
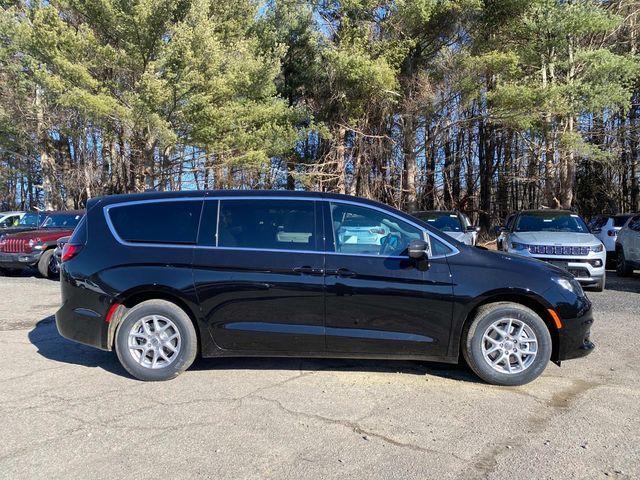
x,y
365,231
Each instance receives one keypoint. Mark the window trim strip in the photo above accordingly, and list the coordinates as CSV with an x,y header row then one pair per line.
x,y
106,208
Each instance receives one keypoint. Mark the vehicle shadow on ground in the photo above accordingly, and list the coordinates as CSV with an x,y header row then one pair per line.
x,y
453,372
626,284
51,345
54,347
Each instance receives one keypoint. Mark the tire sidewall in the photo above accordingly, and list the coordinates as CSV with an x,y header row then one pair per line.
x,y
188,341
44,262
473,347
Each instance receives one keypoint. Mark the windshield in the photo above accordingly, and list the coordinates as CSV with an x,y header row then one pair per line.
x,y
443,221
550,222
62,221
31,219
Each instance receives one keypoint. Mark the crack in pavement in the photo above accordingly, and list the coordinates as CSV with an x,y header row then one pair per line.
x,y
356,428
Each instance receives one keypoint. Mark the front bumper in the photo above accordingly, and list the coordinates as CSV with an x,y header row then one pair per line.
x,y
19,260
574,338
587,270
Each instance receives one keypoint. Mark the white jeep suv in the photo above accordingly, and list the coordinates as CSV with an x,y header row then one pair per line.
x,y
561,238
628,247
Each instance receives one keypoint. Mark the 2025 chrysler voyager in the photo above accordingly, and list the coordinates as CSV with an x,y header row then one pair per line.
x,y
163,277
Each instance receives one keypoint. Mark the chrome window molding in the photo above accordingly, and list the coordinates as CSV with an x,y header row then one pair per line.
x,y
219,199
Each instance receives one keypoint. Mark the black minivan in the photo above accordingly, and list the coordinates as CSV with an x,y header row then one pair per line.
x,y
162,277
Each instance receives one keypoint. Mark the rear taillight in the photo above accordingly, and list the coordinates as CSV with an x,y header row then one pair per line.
x,y
69,251
612,233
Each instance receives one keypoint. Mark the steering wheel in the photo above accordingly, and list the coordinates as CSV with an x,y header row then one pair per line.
x,y
390,244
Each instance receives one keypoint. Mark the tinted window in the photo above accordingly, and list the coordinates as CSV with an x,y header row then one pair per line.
x,y
157,222
620,220
69,221
598,222
267,224
31,219
362,230
437,247
443,221
550,222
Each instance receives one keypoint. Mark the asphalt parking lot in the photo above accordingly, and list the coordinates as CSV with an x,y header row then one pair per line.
x,y
69,411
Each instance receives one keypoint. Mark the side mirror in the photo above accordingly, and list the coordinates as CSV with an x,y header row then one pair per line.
x,y
595,231
417,249
473,228
499,229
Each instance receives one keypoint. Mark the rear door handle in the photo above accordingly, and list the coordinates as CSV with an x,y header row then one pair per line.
x,y
307,270
341,272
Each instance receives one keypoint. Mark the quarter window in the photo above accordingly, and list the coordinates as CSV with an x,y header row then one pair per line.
x,y
361,230
157,222
267,224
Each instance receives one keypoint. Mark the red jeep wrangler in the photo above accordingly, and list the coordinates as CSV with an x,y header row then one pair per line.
x,y
23,250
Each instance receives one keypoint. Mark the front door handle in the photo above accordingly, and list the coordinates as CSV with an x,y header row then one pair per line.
x,y
307,270
341,272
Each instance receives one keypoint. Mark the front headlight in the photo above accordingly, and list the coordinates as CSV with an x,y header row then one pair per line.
x,y
519,246
570,284
597,248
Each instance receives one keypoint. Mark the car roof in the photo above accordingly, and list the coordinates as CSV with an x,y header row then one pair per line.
x,y
15,212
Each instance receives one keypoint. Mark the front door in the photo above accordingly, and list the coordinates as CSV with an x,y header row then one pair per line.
x,y
258,275
378,300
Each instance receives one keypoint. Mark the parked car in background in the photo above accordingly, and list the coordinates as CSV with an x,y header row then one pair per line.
x,y
27,221
561,238
628,247
606,228
455,224
57,252
502,231
10,219
35,248
162,277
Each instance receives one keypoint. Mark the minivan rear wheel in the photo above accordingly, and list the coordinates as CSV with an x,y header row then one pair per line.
x,y
507,344
156,341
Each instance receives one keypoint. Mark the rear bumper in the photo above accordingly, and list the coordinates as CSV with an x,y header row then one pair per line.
x,y
574,338
19,260
81,316
83,326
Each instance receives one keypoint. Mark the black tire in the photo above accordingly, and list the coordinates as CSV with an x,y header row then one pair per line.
x,y
473,337
188,340
9,272
45,264
599,287
623,269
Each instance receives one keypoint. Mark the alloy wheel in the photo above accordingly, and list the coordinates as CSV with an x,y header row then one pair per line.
x,y
154,341
509,346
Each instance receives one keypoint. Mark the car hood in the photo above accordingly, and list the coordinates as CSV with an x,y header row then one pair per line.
x,y
44,234
518,262
554,238
457,235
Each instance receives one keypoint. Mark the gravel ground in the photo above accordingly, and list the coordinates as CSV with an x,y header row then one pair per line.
x,y
70,411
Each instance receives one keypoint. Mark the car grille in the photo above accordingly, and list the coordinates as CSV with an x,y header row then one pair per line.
x,y
14,245
558,250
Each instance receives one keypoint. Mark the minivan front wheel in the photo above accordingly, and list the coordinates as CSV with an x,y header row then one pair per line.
x,y
156,341
507,344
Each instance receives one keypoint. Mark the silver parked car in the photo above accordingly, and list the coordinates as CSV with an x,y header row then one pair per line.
x,y
455,224
561,238
628,247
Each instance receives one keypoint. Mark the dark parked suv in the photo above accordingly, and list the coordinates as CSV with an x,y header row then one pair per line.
x,y
162,277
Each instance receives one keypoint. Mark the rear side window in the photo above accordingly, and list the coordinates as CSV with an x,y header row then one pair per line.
x,y
267,224
157,222
620,220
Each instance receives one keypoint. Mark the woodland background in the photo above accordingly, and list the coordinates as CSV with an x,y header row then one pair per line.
x,y
484,106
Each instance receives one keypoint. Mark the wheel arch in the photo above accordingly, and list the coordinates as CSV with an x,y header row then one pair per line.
x,y
526,298
133,297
